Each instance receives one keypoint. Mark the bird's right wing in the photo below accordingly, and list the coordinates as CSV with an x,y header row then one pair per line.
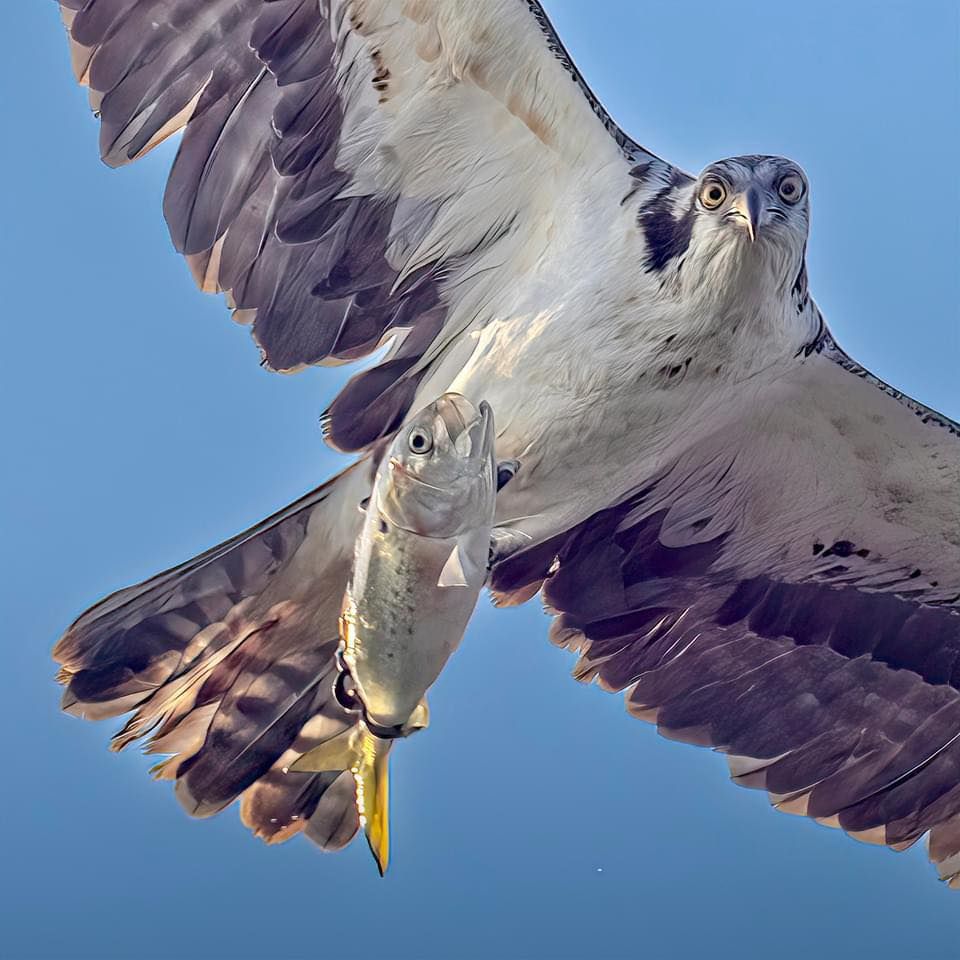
x,y
351,168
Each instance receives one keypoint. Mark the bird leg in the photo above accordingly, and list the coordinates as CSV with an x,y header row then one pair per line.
x,y
506,471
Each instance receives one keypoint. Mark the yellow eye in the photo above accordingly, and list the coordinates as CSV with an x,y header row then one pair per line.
x,y
713,193
791,188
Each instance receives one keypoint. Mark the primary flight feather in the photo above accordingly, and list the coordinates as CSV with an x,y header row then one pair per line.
x,y
734,523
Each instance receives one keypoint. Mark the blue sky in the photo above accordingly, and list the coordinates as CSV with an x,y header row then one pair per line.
x,y
534,818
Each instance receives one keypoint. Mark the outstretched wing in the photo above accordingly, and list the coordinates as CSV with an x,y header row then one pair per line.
x,y
787,590
353,169
349,171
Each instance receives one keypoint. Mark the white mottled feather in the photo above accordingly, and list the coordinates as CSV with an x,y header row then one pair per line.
x,y
703,374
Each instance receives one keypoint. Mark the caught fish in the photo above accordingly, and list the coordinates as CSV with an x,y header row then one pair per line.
x,y
419,565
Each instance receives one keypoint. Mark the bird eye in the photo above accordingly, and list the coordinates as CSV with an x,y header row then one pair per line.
x,y
712,194
420,440
790,188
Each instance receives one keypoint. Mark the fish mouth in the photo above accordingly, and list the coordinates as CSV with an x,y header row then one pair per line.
x,y
398,466
469,426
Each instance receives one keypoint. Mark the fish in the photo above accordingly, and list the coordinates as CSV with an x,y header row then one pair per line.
x,y
420,563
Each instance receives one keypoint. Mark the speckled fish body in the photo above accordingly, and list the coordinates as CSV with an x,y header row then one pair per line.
x,y
398,625
420,560
419,565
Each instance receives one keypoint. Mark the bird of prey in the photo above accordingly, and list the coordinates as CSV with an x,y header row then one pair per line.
x,y
732,521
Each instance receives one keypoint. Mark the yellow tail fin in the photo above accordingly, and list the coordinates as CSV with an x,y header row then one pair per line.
x,y
367,758
372,776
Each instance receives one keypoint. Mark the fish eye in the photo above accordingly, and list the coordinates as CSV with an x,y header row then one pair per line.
x,y
790,188
713,193
420,441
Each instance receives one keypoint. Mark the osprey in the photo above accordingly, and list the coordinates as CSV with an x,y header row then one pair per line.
x,y
734,523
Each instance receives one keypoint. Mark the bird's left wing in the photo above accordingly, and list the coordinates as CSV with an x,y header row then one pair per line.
x,y
787,590
354,168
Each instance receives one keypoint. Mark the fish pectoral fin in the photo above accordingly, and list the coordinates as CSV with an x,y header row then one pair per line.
x,y
363,504
340,753
461,570
453,573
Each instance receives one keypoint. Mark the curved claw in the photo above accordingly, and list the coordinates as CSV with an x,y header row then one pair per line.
x,y
506,471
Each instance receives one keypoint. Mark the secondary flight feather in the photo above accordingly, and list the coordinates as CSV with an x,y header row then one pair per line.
x,y
735,523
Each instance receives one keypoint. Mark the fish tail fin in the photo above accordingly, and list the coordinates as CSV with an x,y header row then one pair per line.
x,y
367,757
373,803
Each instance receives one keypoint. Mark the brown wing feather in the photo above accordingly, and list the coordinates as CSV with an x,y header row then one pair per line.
x,y
804,618
323,190
228,664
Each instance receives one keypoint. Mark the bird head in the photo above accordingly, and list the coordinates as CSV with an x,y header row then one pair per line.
x,y
752,213
760,197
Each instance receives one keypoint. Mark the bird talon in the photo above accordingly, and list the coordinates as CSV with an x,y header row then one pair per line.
x,y
506,471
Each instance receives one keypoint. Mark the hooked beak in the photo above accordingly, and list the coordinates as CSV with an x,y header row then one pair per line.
x,y
747,205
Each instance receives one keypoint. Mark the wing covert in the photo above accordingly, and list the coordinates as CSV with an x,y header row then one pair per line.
x,y
787,590
354,170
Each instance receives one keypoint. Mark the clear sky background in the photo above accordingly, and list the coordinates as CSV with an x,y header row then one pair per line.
x,y
534,818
